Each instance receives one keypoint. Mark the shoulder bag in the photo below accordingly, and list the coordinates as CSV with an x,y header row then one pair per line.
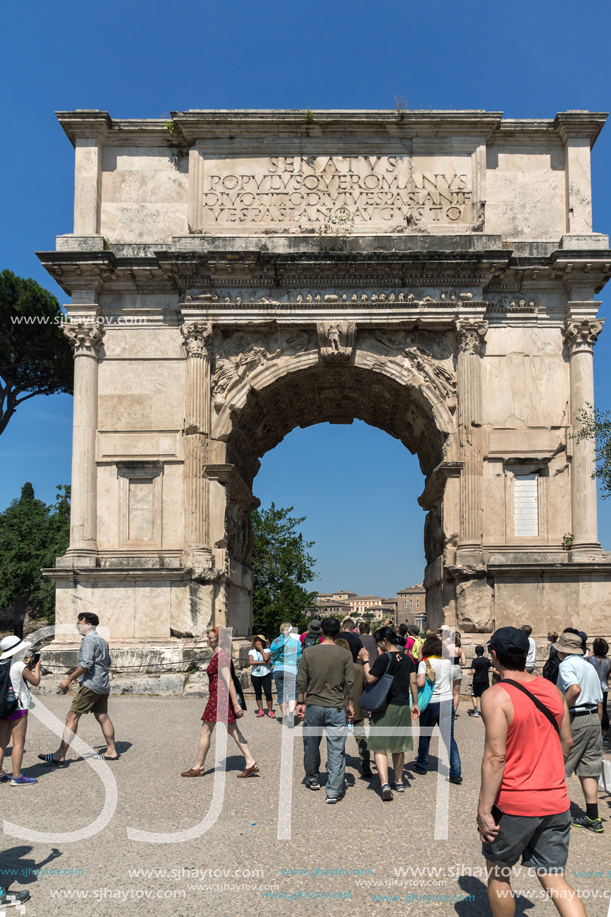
x,y
374,696
425,693
547,713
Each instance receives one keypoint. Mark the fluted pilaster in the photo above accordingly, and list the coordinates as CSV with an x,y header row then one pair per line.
x,y
196,336
85,340
470,336
581,337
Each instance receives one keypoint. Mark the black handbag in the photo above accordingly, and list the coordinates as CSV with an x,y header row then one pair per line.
x,y
238,689
374,696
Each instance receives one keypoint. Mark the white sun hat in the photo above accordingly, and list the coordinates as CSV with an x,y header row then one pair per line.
x,y
12,645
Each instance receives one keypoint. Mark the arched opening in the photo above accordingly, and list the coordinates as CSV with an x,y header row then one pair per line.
x,y
358,489
260,415
275,397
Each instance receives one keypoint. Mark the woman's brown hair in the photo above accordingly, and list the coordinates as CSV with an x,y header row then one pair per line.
x,y
432,646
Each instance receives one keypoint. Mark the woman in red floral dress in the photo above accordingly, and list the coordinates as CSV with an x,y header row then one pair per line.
x,y
222,707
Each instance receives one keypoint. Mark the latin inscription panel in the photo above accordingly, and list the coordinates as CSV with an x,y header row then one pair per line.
x,y
338,194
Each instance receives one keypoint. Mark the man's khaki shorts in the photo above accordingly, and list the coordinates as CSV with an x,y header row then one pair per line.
x,y
586,756
87,701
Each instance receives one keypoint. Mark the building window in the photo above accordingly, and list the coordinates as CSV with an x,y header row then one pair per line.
x,y
526,504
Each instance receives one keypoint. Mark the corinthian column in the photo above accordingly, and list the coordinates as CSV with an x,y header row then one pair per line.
x,y
581,337
196,336
470,336
85,341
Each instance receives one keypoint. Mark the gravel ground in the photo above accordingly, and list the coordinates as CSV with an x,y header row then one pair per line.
x,y
324,868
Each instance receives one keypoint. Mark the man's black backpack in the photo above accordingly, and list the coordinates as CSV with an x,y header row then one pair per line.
x,y
8,700
311,640
551,668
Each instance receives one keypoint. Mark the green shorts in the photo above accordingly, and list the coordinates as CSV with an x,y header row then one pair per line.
x,y
87,701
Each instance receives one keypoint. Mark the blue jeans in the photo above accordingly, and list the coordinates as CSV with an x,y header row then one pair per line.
x,y
431,717
286,684
334,722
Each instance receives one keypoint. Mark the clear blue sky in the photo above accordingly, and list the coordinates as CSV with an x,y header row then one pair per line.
x,y
144,57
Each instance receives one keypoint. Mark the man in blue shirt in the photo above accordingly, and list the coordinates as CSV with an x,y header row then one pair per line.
x,y
92,697
580,684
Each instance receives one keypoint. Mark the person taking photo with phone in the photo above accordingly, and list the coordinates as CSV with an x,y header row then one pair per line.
x,y
24,669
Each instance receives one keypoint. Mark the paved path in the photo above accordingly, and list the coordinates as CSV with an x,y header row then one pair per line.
x,y
333,850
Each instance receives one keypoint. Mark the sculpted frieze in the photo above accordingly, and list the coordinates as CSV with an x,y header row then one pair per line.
x,y
513,305
425,357
237,355
239,536
249,298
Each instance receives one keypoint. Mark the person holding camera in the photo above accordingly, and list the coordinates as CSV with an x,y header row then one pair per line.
x,y
24,669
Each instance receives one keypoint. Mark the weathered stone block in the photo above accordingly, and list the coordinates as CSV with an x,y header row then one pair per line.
x,y
475,606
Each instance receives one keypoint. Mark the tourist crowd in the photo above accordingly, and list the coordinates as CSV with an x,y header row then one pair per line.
x,y
539,729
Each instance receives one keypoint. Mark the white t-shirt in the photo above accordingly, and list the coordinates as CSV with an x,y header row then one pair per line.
x,y
531,659
259,671
19,685
442,686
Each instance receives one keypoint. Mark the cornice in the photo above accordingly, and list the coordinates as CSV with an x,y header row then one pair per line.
x,y
107,574
257,124
250,124
580,124
85,123
208,273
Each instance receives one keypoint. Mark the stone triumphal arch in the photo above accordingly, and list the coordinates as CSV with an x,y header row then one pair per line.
x,y
234,275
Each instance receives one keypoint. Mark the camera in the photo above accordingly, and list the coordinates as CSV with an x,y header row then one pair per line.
x,y
32,659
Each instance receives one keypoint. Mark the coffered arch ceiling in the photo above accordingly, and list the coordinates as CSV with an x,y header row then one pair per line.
x,y
321,393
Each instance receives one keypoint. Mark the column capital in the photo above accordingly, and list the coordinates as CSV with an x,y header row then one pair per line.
x,y
582,335
470,335
84,339
196,338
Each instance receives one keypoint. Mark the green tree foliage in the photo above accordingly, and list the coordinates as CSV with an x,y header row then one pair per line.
x,y
35,357
596,425
281,565
32,535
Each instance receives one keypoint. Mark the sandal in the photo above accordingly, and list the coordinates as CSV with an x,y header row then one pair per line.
x,y
250,771
50,761
194,772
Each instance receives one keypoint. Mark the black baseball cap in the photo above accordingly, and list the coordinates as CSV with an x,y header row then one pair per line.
x,y
509,641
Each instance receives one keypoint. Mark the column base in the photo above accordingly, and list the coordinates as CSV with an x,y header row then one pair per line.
x,y
587,552
78,557
469,553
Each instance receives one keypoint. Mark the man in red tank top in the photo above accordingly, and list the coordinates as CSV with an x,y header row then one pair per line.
x,y
524,808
